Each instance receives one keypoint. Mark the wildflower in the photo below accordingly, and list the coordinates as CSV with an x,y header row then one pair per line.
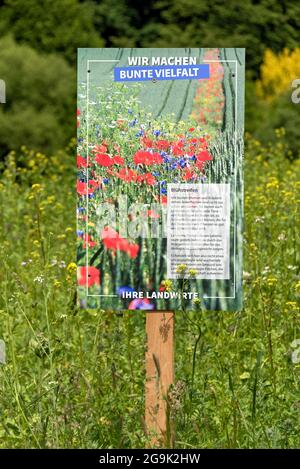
x,y
204,156
72,268
181,269
197,302
193,272
123,290
292,305
87,240
147,158
127,175
271,281
100,148
81,162
88,276
36,188
166,285
152,214
118,160
104,159
141,303
39,279
148,178
112,240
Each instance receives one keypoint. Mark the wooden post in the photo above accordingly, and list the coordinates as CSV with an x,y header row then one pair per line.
x,y
159,376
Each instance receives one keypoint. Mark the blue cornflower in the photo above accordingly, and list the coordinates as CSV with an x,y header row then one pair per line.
x,y
155,173
130,111
163,190
80,233
156,133
140,133
132,123
105,181
122,290
91,196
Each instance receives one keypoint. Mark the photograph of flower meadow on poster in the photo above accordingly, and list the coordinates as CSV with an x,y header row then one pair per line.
x,y
133,140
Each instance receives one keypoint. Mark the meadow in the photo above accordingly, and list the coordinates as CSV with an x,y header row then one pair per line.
x,y
75,378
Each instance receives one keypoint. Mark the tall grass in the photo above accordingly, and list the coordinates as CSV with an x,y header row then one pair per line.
x,y
76,379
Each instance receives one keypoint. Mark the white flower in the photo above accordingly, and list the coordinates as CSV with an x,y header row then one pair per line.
x,y
281,237
39,279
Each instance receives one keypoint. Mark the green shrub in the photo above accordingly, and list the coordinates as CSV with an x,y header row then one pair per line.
x,y
40,99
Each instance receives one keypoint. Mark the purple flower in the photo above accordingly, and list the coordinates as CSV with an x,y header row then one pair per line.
x,y
141,303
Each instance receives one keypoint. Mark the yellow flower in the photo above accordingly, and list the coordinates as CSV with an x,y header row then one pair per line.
x,y
193,272
168,284
36,188
72,268
271,281
181,269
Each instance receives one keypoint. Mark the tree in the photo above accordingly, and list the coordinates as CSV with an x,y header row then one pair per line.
x,y
40,99
51,25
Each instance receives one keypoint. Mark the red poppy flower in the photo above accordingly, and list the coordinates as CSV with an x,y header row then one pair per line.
x,y
189,175
204,156
152,214
162,144
81,162
94,183
147,158
87,240
147,142
112,240
118,160
100,148
78,112
127,175
148,178
88,276
82,187
178,148
191,129
104,159
132,250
